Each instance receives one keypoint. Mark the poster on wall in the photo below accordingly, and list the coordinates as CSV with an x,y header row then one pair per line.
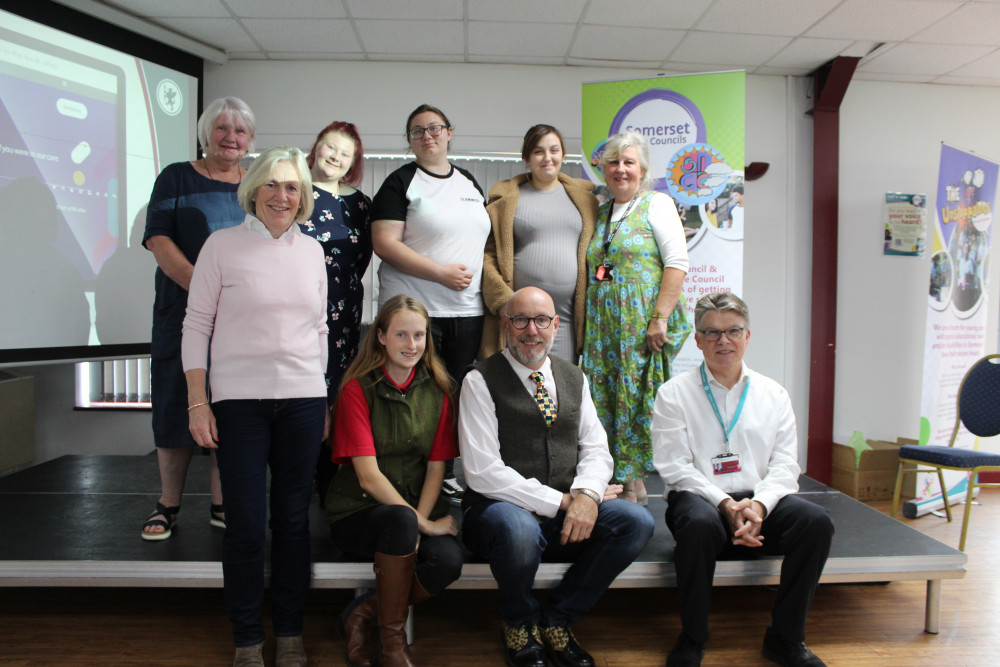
x,y
957,301
695,126
904,217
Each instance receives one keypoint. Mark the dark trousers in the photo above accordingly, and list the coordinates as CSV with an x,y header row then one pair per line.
x,y
456,343
796,529
282,435
392,530
515,543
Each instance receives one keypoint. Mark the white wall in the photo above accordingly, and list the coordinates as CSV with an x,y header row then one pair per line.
x,y
890,138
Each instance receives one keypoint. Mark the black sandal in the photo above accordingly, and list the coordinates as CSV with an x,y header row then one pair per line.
x,y
217,515
171,518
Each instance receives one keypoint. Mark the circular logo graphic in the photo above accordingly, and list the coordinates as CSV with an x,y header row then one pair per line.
x,y
169,97
697,174
667,119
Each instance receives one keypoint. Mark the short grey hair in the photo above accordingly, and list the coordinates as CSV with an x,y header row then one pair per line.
x,y
260,172
720,302
232,107
616,146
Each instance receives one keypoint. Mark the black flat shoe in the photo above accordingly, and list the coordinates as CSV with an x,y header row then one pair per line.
x,y
686,653
523,646
563,648
789,654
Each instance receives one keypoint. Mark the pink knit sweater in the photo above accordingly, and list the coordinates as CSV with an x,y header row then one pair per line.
x,y
259,304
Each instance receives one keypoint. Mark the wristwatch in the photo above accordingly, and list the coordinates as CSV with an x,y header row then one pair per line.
x,y
590,494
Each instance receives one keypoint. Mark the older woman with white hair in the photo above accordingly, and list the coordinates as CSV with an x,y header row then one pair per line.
x,y
257,308
636,313
190,200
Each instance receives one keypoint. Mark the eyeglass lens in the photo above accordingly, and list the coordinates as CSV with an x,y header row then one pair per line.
x,y
521,322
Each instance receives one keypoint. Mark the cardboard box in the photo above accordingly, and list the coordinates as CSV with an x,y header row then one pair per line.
x,y
873,477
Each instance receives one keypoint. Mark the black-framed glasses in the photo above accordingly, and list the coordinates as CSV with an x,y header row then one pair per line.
x,y
433,130
520,322
713,335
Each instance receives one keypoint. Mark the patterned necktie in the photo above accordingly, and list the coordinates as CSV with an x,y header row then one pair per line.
x,y
543,399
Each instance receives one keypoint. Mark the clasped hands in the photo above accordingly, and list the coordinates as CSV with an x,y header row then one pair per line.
x,y
744,519
581,514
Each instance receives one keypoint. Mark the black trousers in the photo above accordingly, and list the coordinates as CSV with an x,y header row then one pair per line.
x,y
456,343
797,529
392,530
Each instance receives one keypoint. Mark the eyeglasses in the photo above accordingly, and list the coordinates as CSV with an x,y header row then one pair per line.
x,y
433,130
520,322
713,335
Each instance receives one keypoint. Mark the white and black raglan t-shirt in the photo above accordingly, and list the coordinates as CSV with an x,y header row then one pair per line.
x,y
444,219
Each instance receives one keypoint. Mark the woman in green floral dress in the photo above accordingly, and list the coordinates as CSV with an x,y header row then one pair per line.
x,y
636,313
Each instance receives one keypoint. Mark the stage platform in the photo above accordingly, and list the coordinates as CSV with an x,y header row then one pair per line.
x,y
75,521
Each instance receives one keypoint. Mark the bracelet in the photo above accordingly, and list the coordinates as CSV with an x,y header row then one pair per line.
x,y
657,316
197,405
590,494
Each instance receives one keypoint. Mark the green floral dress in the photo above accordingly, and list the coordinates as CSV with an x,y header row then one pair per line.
x,y
623,375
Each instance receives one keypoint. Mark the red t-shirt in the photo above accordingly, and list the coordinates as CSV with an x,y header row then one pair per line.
x,y
352,429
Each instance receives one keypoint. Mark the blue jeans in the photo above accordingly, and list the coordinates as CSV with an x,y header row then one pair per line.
x,y
254,435
514,543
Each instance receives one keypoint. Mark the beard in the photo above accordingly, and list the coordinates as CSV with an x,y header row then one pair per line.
x,y
524,358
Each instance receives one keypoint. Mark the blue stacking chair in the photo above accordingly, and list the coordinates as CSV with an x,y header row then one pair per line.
x,y
979,411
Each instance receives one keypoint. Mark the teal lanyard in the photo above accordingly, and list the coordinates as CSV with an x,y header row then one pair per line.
x,y
715,406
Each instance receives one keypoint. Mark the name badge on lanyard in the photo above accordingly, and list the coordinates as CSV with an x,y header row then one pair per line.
x,y
728,461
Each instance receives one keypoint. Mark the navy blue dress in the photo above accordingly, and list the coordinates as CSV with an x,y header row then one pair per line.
x,y
342,227
185,207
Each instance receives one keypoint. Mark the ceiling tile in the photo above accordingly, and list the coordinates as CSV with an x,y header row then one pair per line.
x,y
967,81
442,10
807,53
412,37
760,17
885,20
175,8
325,35
884,76
986,67
620,44
564,11
519,39
516,60
224,34
417,57
601,62
975,22
646,13
311,9
728,49
314,55
934,59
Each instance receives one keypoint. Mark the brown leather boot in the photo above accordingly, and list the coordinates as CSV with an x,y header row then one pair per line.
x,y
393,579
358,625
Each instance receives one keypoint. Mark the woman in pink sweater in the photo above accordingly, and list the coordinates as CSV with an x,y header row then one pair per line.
x,y
257,310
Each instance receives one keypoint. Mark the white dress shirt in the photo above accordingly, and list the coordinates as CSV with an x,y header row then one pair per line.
x,y
687,436
485,471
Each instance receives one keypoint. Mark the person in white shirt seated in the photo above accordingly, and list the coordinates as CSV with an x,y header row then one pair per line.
x,y
724,441
537,467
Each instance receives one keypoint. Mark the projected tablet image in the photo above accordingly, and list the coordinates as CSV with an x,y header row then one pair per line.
x,y
62,125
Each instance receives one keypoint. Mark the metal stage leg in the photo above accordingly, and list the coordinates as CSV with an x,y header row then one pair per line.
x,y
932,610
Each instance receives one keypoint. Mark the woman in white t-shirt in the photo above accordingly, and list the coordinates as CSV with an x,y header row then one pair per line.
x,y
429,228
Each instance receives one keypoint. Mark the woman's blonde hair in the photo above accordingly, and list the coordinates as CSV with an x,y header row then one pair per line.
x,y
372,355
260,172
616,146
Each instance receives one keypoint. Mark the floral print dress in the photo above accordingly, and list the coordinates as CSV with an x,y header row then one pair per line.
x,y
342,227
624,376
